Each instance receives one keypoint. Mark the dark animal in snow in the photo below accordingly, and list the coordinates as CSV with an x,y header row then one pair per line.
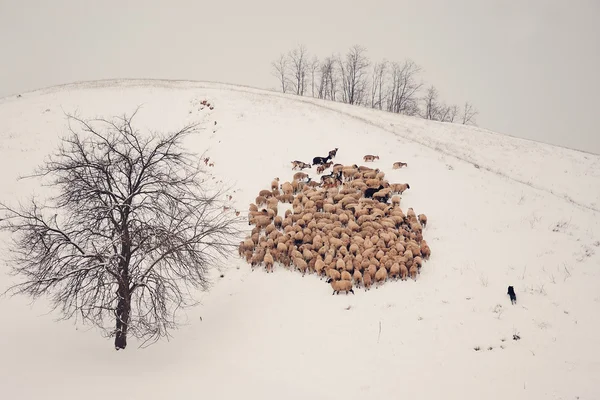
x,y
513,296
321,160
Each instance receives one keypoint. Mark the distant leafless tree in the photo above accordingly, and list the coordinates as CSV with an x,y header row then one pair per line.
x,y
354,72
469,114
313,67
280,70
404,88
377,84
130,231
453,112
329,79
392,86
299,68
431,108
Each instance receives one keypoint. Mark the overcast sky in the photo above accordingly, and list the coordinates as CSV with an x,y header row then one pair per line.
x,y
532,68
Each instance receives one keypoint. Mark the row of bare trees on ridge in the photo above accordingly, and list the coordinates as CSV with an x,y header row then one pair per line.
x,y
354,79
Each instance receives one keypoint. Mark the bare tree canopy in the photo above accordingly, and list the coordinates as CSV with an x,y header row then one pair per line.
x,y
299,68
129,233
280,69
354,73
328,82
404,88
469,114
390,86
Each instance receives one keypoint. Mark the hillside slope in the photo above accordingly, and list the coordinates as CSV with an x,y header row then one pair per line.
x,y
502,211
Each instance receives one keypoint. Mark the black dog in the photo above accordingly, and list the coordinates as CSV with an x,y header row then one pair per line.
x,y
513,296
321,160
371,191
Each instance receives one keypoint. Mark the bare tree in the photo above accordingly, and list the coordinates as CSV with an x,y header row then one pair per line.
x,y
329,79
280,70
404,88
469,114
353,71
313,67
453,112
432,107
131,230
299,65
377,82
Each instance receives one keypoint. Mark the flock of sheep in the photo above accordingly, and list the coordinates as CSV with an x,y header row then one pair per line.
x,y
347,226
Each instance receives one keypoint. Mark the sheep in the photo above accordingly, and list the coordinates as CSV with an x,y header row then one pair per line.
x,y
260,200
413,272
341,286
399,164
381,195
370,157
367,281
300,176
319,267
332,153
333,274
346,276
395,270
422,219
268,259
301,265
265,193
410,214
275,183
418,261
381,276
358,277
399,187
425,250
343,229
403,272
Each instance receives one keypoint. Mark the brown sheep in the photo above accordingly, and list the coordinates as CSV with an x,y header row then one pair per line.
x,y
403,272
367,281
425,250
399,164
413,272
358,277
300,175
381,276
268,259
275,184
265,193
399,187
341,286
333,230
395,271
370,157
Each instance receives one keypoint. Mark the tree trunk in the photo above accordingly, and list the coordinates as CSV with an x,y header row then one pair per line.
x,y
123,312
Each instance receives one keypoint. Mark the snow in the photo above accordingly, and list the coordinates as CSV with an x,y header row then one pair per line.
x,y
526,216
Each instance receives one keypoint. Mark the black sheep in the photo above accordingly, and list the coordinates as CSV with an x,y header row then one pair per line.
x,y
371,191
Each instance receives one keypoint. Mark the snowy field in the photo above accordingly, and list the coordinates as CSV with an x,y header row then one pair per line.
x,y
502,211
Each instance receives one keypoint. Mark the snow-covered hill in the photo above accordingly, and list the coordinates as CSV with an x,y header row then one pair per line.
x,y
502,211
